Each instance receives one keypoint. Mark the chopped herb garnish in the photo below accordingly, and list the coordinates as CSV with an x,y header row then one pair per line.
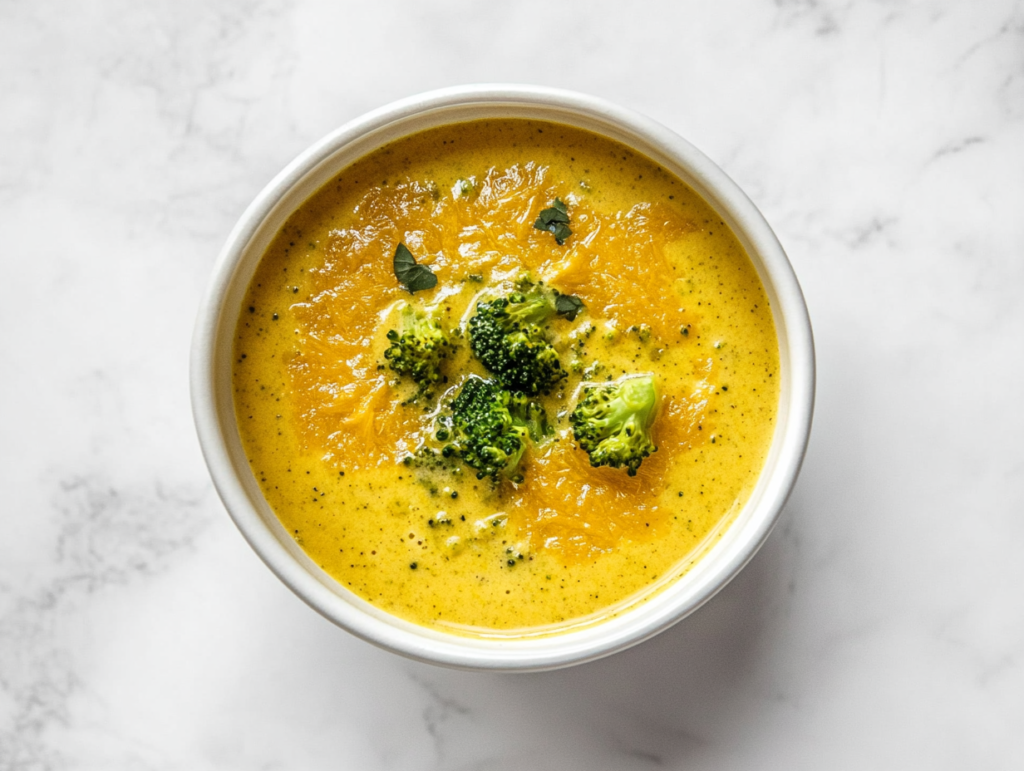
x,y
568,306
556,221
412,275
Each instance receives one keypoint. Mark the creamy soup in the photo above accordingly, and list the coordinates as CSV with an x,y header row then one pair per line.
x,y
666,290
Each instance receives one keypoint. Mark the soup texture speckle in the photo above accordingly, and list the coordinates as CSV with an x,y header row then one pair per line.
x,y
336,438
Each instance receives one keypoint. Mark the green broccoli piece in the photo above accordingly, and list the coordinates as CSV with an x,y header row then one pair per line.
x,y
428,459
532,416
508,336
419,350
489,428
612,422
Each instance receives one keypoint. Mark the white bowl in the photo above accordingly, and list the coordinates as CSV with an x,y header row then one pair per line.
x,y
218,434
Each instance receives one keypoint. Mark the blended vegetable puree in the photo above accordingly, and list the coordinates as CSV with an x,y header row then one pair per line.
x,y
649,282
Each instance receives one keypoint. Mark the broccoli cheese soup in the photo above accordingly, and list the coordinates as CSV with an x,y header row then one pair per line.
x,y
505,378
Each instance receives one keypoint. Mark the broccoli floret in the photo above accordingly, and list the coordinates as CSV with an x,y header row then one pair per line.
x,y
419,350
481,431
507,335
489,427
612,422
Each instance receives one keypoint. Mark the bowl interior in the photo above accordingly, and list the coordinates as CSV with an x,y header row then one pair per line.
x,y
675,597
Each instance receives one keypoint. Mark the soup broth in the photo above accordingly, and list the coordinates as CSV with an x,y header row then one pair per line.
x,y
327,426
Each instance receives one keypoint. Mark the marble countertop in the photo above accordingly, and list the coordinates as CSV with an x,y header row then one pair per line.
x,y
881,626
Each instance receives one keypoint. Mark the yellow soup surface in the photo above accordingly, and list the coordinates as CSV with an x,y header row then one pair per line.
x,y
326,424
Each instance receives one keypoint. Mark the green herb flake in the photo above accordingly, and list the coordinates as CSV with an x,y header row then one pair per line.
x,y
555,221
568,306
410,274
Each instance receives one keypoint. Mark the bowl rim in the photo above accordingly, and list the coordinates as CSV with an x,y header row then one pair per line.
x,y
218,435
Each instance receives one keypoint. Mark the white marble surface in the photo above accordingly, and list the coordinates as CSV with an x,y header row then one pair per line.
x,y
882,626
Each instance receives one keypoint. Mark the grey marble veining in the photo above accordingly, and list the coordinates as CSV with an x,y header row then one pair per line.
x,y
882,625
